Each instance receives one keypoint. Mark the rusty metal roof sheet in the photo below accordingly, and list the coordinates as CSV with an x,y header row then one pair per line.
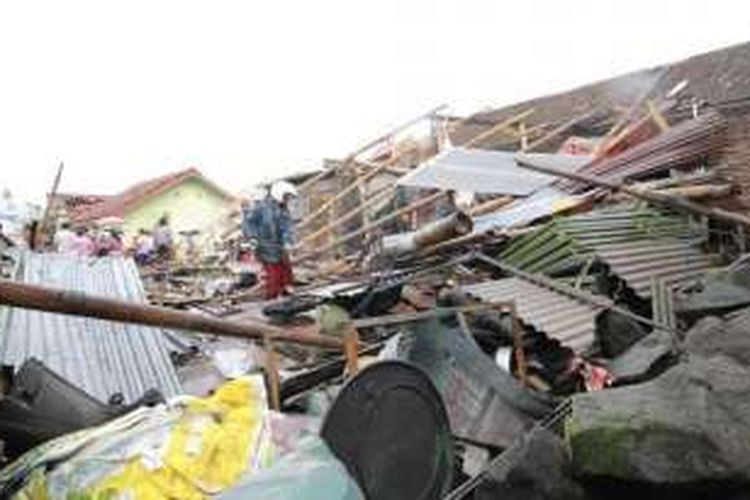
x,y
561,317
101,357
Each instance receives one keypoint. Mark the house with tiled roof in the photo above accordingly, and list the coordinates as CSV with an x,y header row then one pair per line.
x,y
191,200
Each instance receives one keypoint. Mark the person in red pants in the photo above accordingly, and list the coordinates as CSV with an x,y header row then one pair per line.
x,y
268,225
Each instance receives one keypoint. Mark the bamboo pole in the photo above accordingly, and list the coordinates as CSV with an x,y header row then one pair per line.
x,y
394,131
365,229
79,304
383,195
651,196
370,144
657,116
629,114
375,170
699,191
490,205
557,131
505,124
43,229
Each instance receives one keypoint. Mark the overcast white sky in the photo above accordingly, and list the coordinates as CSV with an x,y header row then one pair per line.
x,y
249,90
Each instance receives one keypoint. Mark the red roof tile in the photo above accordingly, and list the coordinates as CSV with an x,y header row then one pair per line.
x,y
119,204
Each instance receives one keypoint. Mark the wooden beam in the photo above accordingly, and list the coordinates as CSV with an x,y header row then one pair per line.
x,y
490,205
651,196
370,144
351,342
383,196
523,134
657,116
378,223
375,170
630,113
559,130
503,125
395,130
518,352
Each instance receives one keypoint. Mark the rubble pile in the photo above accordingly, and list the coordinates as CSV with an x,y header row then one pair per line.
x,y
548,301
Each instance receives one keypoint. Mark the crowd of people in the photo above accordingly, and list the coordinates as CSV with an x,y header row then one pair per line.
x,y
84,242
266,229
148,246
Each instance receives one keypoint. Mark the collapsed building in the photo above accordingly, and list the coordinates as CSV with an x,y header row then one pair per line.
x,y
575,328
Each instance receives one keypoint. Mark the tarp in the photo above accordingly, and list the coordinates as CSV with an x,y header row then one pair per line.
x,y
189,449
311,472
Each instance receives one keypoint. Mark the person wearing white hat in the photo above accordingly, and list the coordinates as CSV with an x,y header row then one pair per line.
x,y
269,226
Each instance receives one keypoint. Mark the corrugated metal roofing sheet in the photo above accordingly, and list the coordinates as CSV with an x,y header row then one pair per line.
x,y
486,171
101,357
675,262
545,202
636,244
570,321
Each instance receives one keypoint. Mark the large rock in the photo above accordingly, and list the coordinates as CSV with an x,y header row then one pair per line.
x,y
728,337
690,425
645,359
541,471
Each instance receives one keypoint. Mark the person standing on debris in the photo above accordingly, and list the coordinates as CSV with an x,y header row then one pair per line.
x,y
163,239
269,227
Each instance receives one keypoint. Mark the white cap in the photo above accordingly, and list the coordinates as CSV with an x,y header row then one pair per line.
x,y
280,189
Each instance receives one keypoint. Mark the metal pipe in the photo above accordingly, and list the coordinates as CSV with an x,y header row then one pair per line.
x,y
79,304
453,226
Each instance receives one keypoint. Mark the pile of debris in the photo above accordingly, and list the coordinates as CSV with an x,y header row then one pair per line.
x,y
558,307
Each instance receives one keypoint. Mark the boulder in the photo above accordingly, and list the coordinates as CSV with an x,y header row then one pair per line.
x,y
728,337
541,471
690,425
645,359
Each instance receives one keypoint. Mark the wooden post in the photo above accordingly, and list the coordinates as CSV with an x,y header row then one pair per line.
x,y
272,372
385,195
351,353
374,170
518,346
378,223
658,117
43,230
